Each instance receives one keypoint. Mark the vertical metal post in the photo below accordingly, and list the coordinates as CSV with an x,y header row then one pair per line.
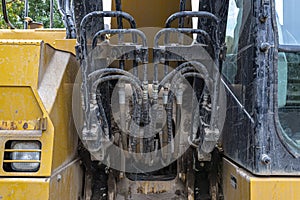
x,y
51,13
120,26
26,14
182,8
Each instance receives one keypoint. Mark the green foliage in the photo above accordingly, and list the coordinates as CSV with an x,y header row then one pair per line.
x,y
39,11
15,12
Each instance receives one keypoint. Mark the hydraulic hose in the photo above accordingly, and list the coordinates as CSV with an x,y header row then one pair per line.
x,y
116,77
5,16
102,72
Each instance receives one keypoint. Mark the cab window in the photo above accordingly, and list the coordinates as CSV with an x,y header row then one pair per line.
x,y
288,23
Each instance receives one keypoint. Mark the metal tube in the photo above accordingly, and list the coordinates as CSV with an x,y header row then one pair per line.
x,y
26,14
120,26
119,19
51,13
182,8
181,30
67,7
198,14
181,20
119,31
101,14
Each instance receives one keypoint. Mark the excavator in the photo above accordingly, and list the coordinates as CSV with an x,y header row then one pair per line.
x,y
172,99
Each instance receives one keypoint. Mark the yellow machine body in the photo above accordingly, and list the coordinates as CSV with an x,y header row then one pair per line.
x,y
37,74
38,69
239,184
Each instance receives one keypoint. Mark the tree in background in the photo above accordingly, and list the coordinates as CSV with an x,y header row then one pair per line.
x,y
15,12
39,11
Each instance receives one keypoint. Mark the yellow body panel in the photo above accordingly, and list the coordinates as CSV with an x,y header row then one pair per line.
x,y
239,184
64,184
24,188
19,61
37,72
54,37
60,112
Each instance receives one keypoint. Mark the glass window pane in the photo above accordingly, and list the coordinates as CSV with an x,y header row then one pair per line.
x,y
237,69
289,95
232,35
287,14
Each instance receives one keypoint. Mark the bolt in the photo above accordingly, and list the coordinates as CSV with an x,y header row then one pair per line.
x,y
106,170
265,159
263,18
265,46
121,176
58,178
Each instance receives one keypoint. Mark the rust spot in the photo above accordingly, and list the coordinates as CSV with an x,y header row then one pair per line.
x,y
140,190
25,126
12,126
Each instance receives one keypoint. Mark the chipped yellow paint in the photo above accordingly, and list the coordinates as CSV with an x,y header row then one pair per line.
x,y
22,103
18,103
64,184
238,184
24,188
20,125
67,182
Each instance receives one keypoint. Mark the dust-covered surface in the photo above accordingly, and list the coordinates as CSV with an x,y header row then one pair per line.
x,y
167,195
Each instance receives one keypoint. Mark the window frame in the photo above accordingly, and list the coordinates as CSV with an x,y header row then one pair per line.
x,y
288,143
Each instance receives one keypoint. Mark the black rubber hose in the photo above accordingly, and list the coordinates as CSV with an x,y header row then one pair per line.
x,y
187,66
113,77
181,30
101,72
199,14
5,16
172,74
87,18
116,77
120,26
182,8
119,31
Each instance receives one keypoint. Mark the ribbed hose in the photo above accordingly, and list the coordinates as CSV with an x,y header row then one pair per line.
x,y
103,116
169,110
102,72
134,128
